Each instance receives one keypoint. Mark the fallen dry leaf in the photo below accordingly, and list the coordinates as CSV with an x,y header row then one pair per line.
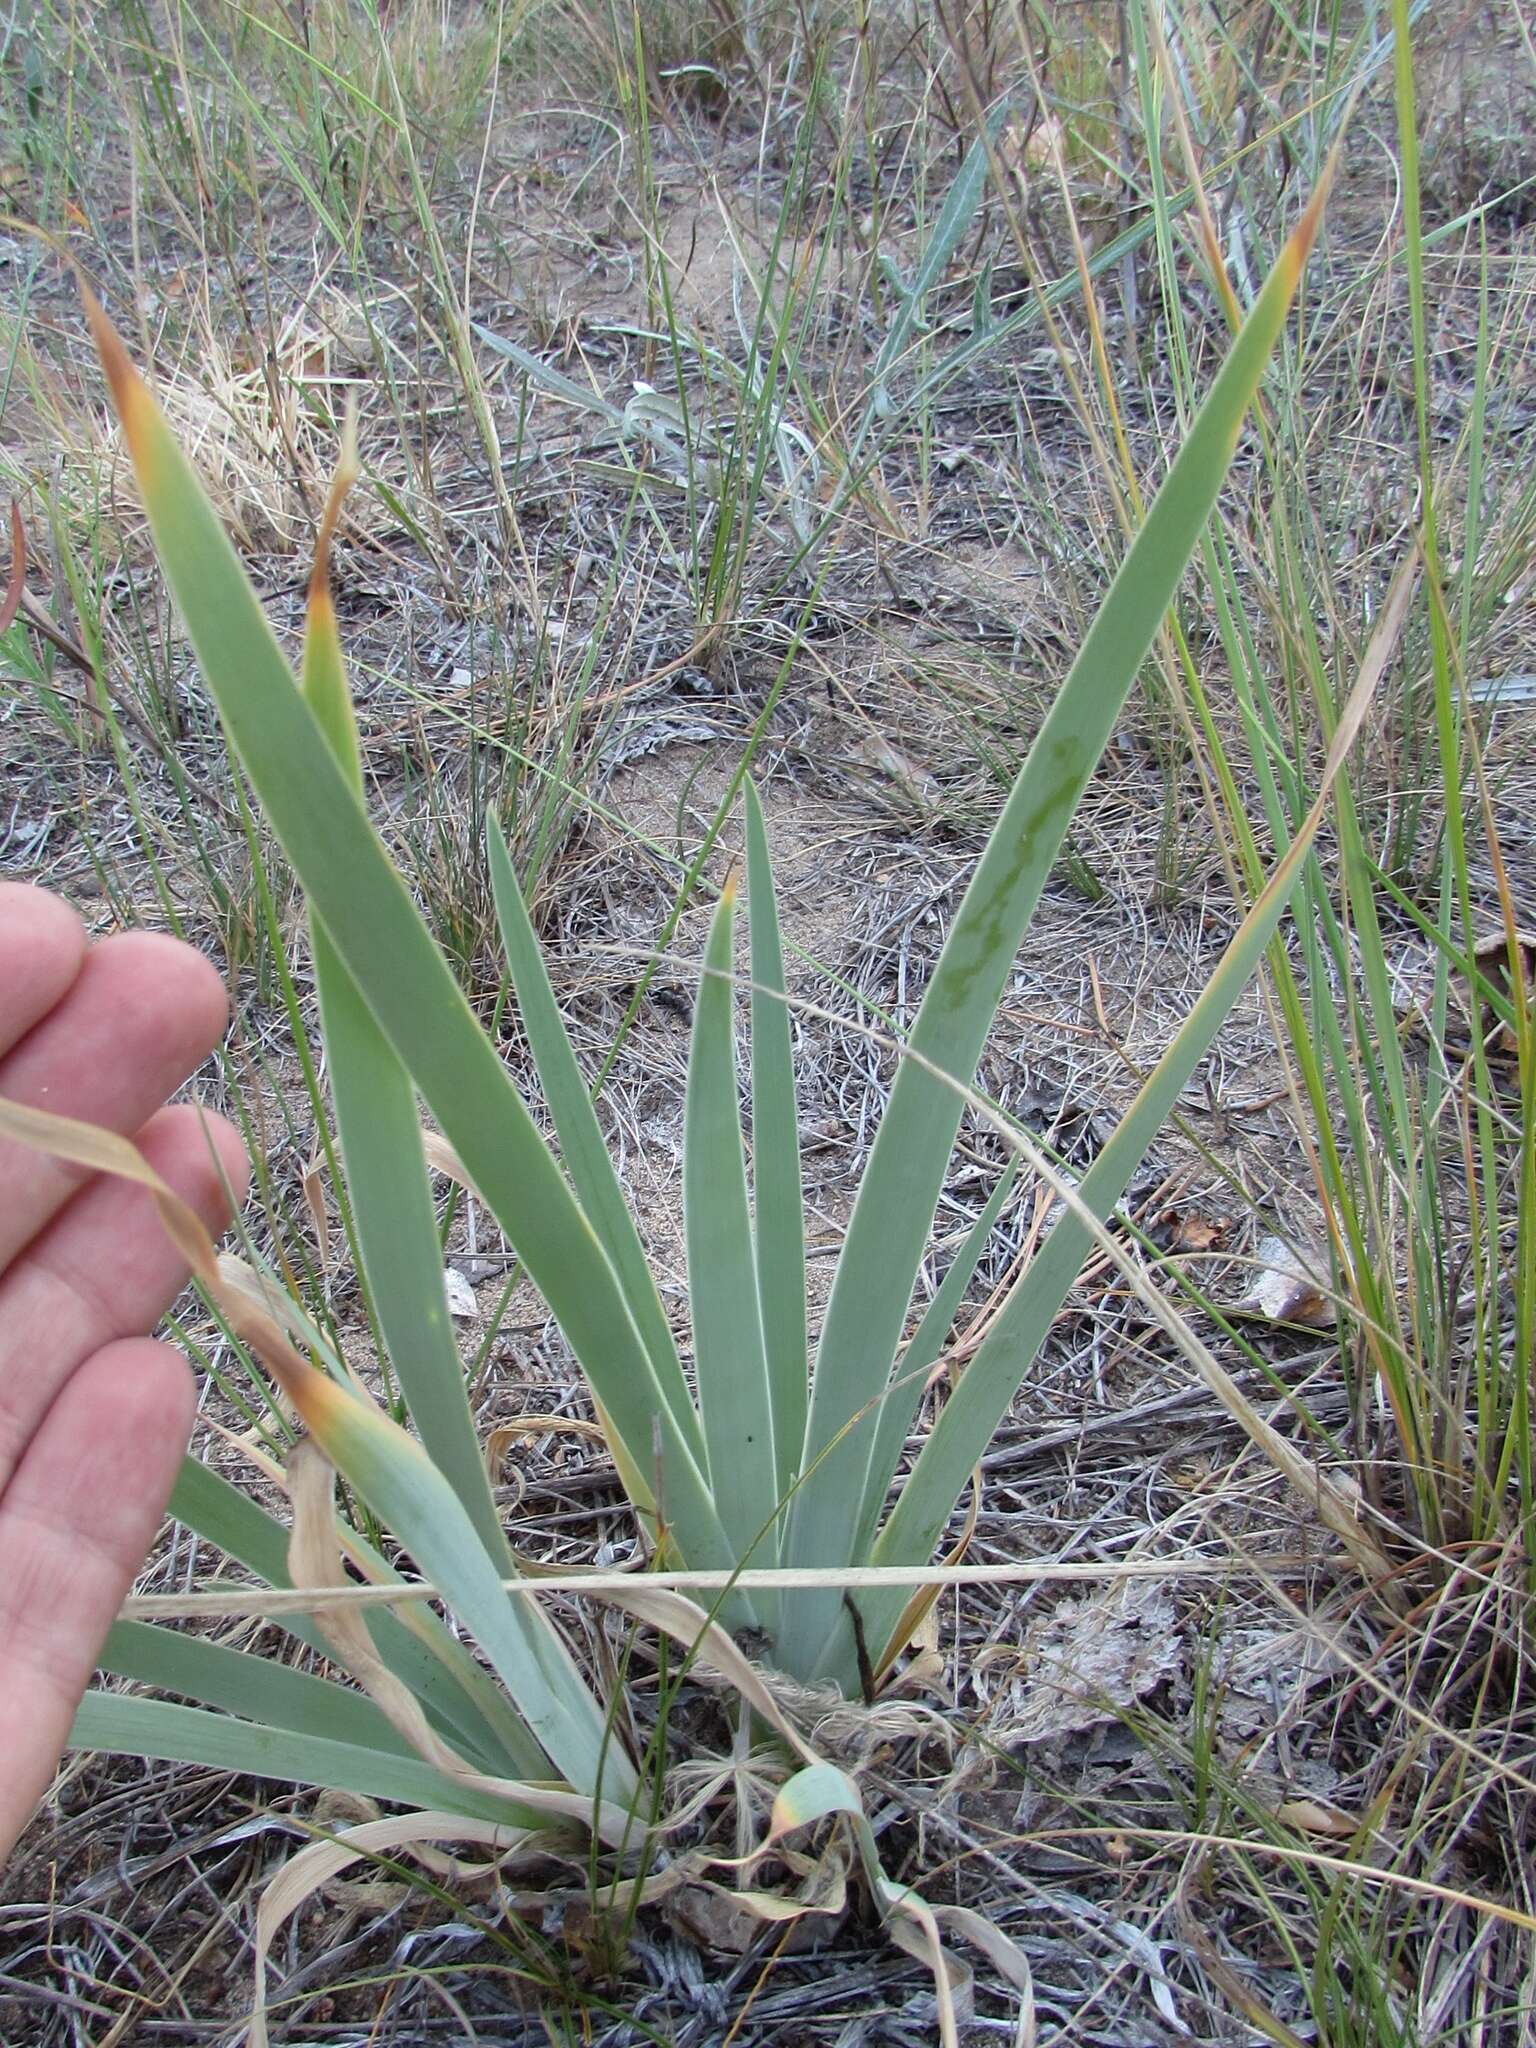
x,y
1186,1230
1290,1286
1314,1819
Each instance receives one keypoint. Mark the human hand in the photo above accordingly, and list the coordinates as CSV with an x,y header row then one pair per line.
x,y
94,1417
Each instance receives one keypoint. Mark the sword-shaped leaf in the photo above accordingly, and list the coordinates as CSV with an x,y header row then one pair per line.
x,y
397,1479
378,1123
896,1200
906,1388
256,1688
582,1146
124,1725
992,1378
735,1399
380,939
460,1696
777,1192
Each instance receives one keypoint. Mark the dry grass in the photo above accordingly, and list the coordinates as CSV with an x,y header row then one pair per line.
x,y
1273,1806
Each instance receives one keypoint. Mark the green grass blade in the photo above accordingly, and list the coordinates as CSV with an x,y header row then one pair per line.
x,y
384,945
582,1148
960,204
123,1725
550,379
735,1401
896,1200
906,1390
962,1432
378,1125
778,1195
379,1129
255,1688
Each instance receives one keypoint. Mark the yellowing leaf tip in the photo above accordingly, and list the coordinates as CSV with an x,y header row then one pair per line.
x,y
1299,248
322,1405
345,476
130,394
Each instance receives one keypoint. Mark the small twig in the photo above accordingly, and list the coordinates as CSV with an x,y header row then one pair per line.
x,y
279,1600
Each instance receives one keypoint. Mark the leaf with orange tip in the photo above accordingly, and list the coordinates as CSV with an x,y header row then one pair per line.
x,y
464,1699
394,1475
377,1119
325,670
395,967
102,1151
315,1559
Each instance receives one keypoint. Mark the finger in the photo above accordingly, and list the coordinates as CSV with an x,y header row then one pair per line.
x,y
105,1268
42,944
75,1524
141,1014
